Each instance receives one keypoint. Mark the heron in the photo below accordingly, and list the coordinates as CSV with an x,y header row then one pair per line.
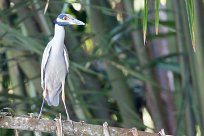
x,y
55,63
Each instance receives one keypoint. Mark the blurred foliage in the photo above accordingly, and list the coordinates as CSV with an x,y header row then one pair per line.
x,y
130,66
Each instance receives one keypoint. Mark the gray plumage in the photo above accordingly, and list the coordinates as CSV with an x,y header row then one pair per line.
x,y
55,65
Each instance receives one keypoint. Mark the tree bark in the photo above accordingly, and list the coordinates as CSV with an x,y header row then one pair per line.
x,y
68,127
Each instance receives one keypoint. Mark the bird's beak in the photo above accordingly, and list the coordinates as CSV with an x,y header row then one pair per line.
x,y
74,21
77,22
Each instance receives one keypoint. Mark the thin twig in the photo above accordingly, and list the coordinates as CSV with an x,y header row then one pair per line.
x,y
105,129
59,129
16,132
46,6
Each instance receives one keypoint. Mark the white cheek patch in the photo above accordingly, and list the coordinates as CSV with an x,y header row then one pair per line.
x,y
60,20
70,20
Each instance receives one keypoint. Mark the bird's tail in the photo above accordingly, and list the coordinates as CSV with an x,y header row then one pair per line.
x,y
52,97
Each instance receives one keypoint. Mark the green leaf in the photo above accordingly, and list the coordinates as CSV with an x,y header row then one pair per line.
x,y
13,37
190,14
145,18
157,16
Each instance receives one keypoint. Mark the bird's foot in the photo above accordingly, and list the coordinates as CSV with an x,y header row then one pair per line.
x,y
39,116
72,123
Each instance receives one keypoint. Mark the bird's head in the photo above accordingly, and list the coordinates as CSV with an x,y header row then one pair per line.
x,y
66,19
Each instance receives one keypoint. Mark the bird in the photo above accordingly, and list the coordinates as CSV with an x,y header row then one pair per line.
x,y
55,63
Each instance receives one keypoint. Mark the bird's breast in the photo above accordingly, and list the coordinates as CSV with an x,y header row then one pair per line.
x,y
55,71
57,47
56,64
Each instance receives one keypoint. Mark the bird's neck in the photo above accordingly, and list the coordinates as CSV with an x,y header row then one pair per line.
x,y
59,33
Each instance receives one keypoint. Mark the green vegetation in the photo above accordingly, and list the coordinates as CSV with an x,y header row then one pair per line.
x,y
136,63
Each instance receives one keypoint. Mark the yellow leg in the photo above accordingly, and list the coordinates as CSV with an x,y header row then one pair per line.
x,y
63,100
44,95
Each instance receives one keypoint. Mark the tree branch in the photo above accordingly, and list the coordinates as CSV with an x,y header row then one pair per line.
x,y
69,127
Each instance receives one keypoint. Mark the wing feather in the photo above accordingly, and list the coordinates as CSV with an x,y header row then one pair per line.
x,y
45,58
66,58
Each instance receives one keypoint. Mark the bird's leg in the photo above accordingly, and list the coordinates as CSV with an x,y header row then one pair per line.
x,y
45,92
41,108
63,100
44,95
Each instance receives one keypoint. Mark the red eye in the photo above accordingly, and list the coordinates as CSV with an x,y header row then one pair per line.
x,y
65,18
